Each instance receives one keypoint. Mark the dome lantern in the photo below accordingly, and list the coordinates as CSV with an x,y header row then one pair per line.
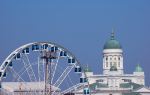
x,y
112,35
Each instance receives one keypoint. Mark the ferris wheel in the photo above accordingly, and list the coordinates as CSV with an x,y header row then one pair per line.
x,y
42,68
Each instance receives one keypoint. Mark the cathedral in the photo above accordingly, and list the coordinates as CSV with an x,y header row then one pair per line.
x,y
114,81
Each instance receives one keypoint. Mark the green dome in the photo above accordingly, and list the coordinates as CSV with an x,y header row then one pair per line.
x,y
112,43
138,68
113,68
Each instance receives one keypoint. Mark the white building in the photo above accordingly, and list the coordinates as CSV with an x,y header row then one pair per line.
x,y
114,81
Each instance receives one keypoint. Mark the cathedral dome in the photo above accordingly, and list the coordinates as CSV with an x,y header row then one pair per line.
x,y
112,43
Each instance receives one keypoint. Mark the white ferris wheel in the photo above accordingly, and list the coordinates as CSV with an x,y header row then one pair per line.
x,y
42,68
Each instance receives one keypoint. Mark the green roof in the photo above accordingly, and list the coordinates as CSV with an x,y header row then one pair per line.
x,y
125,85
138,68
112,43
131,84
98,85
134,85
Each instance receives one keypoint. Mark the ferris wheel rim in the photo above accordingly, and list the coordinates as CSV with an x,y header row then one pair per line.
x,y
18,50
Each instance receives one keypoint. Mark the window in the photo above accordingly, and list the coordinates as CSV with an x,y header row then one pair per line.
x,y
101,80
110,64
118,58
126,80
106,58
106,64
118,64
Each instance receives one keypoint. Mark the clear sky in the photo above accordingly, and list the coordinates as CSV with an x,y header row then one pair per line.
x,y
82,26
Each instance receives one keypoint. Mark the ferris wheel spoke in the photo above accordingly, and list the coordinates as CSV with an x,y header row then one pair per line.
x,y
40,69
54,68
73,88
41,66
70,80
63,75
28,67
23,70
16,75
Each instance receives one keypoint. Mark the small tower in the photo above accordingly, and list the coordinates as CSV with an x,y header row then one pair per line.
x,y
112,57
89,74
88,71
139,74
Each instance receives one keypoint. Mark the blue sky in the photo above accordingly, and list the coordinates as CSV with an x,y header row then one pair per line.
x,y
82,26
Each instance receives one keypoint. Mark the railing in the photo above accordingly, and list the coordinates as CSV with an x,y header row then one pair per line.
x,y
114,88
